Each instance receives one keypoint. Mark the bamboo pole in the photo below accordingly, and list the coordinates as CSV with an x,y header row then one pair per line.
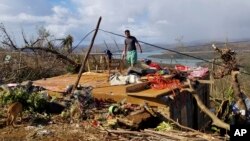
x,y
87,54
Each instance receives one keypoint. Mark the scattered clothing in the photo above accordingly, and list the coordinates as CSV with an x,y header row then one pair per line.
x,y
155,65
140,72
118,79
152,65
199,72
182,68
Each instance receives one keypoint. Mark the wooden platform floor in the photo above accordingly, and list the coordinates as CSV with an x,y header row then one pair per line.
x,y
102,89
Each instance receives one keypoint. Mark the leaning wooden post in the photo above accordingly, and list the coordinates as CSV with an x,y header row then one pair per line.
x,y
211,77
87,54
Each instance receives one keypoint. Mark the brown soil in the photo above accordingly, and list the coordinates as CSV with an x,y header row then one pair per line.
x,y
60,132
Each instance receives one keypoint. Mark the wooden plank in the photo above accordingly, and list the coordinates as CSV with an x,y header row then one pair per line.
x,y
118,93
151,93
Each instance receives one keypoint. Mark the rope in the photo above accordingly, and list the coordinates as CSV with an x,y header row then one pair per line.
x,y
118,50
198,58
83,39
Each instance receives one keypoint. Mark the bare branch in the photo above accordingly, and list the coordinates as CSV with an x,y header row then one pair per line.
x,y
37,40
8,41
238,97
24,39
59,55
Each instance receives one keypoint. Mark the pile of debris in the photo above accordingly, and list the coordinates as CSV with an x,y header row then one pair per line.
x,y
139,120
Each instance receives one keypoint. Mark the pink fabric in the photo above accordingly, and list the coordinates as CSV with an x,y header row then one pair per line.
x,y
198,72
155,65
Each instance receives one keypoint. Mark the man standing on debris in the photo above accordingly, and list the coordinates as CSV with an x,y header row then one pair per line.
x,y
130,48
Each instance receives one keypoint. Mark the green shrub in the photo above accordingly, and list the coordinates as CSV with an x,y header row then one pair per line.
x,y
30,101
14,95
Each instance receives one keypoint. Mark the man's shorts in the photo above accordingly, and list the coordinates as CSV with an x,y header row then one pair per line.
x,y
132,57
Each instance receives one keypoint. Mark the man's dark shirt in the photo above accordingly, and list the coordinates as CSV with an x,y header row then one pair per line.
x,y
130,42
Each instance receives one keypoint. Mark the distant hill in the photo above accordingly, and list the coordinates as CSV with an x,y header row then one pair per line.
x,y
118,48
237,46
200,45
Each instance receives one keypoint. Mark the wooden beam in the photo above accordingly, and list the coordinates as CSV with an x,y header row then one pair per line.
x,y
87,54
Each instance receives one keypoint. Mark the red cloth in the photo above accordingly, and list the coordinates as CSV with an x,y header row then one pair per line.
x,y
155,65
182,67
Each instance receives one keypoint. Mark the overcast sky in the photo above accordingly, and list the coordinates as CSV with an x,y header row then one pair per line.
x,y
152,21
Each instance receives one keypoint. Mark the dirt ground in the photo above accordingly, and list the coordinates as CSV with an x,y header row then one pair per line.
x,y
87,130
58,131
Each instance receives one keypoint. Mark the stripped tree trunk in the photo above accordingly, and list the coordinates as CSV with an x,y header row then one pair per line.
x,y
238,97
215,119
230,66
